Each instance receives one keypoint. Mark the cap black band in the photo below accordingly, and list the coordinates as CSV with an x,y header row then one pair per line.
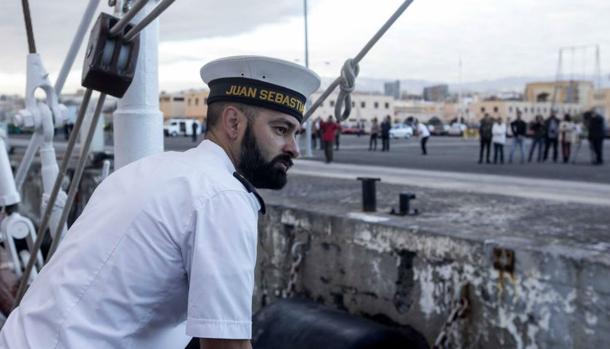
x,y
258,93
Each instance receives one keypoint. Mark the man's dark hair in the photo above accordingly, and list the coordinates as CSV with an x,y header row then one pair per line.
x,y
215,111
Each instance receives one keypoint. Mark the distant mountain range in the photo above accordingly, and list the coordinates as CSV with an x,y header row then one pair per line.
x,y
508,84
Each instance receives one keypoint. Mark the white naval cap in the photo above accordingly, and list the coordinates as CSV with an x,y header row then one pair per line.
x,y
262,81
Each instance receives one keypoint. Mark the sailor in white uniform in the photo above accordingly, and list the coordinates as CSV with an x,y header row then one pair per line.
x,y
166,248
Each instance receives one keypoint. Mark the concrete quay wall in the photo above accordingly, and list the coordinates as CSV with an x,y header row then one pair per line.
x,y
553,293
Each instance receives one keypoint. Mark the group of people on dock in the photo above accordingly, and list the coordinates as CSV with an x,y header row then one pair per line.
x,y
329,134
547,135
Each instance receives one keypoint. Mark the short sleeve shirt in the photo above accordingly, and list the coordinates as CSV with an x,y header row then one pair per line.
x,y
423,130
164,251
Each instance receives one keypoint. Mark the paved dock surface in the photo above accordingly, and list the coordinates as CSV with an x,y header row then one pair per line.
x,y
447,154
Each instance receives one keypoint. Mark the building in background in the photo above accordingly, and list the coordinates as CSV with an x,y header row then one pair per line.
x,y
190,104
365,107
172,105
508,109
601,101
392,89
572,91
420,110
437,93
196,104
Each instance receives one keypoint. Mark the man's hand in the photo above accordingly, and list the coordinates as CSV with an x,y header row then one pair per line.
x,y
207,343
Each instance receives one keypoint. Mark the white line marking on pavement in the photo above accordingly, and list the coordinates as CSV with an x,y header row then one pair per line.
x,y
546,189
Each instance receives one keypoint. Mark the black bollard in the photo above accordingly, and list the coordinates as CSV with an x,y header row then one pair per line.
x,y
404,203
369,193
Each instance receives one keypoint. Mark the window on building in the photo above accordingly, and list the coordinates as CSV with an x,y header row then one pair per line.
x,y
376,105
387,105
188,102
353,104
510,110
362,105
179,99
495,109
482,109
332,103
196,101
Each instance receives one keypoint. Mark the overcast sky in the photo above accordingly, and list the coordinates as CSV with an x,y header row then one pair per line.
x,y
494,38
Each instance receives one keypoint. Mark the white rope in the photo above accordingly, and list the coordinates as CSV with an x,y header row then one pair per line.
x,y
354,63
349,72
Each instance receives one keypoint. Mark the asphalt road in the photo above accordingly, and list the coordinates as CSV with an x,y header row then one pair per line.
x,y
444,154
461,155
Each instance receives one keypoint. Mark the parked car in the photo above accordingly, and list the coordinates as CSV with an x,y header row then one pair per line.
x,y
436,127
180,127
401,131
457,129
352,130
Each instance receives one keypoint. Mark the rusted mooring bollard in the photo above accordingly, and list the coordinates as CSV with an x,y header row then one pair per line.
x,y
369,193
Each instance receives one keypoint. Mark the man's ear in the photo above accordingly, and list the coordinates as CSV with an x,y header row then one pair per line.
x,y
232,121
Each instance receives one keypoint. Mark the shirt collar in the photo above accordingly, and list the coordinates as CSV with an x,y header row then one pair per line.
x,y
213,148
210,147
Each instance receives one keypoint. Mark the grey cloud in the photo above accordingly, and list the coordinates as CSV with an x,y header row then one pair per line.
x,y
55,22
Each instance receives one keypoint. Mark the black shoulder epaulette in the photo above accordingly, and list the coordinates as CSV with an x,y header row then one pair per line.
x,y
250,188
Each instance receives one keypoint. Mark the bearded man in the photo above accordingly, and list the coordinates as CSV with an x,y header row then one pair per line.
x,y
165,249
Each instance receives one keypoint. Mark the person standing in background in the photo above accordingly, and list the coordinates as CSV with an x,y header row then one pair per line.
x,y
329,129
518,128
551,125
386,125
319,131
374,133
597,132
424,134
538,133
337,135
194,127
485,135
499,138
578,135
314,134
566,128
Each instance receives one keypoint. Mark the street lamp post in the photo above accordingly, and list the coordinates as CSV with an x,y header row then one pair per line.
x,y
308,151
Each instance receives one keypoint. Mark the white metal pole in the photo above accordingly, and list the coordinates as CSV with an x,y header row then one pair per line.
x,y
308,152
8,189
138,122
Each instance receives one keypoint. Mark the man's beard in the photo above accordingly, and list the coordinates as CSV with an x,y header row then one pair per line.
x,y
259,172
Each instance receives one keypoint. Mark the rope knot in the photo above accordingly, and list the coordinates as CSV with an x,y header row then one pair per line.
x,y
349,72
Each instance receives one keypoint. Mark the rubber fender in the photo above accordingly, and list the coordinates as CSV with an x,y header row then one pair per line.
x,y
302,324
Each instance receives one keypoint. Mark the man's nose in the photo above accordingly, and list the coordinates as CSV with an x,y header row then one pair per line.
x,y
292,148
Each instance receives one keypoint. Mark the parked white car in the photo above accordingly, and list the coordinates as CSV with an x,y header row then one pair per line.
x,y
180,127
457,129
401,131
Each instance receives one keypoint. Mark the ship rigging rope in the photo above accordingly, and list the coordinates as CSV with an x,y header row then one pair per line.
x,y
28,26
44,223
352,64
80,166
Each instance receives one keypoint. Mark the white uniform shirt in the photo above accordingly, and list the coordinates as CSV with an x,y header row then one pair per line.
x,y
498,132
165,250
422,130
